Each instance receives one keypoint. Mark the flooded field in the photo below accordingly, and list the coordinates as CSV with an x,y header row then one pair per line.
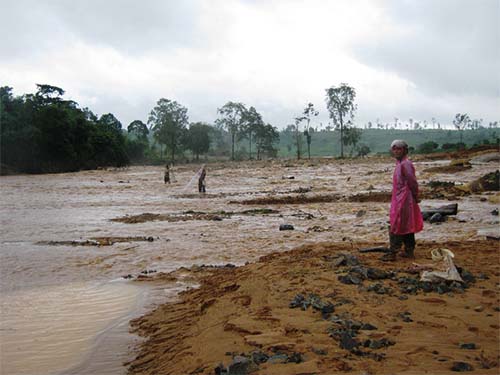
x,y
68,240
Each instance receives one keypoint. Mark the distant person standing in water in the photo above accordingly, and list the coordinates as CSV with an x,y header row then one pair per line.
x,y
166,176
201,180
405,216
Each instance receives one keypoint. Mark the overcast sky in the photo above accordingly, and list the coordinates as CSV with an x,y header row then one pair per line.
x,y
406,58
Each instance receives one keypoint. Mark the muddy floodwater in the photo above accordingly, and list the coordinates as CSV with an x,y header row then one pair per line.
x,y
68,240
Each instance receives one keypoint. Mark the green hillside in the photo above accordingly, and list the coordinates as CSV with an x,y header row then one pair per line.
x,y
326,143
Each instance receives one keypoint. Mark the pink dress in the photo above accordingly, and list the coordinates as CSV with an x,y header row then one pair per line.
x,y
405,214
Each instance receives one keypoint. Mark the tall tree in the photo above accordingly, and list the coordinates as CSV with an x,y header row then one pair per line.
x,y
168,120
198,138
297,135
266,136
231,118
251,120
139,129
340,104
309,113
139,144
352,135
461,121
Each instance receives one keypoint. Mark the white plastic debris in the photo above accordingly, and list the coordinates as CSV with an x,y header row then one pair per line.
x,y
450,272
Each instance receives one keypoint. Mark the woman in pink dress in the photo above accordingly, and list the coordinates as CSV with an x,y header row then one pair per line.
x,y
405,216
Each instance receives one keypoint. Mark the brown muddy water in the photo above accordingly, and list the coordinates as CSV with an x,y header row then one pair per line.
x,y
65,305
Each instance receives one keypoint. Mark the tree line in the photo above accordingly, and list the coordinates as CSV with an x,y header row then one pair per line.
x,y
43,132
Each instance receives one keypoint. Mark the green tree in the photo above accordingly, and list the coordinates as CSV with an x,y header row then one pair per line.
x,y
352,135
43,132
168,120
198,138
427,147
266,136
461,121
251,120
231,118
363,150
137,146
340,104
139,129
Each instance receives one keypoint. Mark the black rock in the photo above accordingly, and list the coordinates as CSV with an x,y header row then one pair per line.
x,y
240,366
469,345
461,367
405,316
345,259
495,212
350,279
437,218
259,357
377,274
466,275
295,358
298,301
347,342
286,227
367,327
319,351
220,370
278,358
377,344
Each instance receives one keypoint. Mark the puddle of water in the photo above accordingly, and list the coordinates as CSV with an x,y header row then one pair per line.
x,y
47,330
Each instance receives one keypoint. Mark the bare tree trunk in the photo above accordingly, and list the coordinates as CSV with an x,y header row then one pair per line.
x,y
232,145
341,138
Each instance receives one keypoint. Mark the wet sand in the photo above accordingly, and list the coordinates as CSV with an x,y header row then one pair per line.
x,y
52,223
244,311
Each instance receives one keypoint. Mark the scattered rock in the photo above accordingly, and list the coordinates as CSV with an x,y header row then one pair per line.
x,y
240,366
405,316
286,227
437,218
347,342
278,358
350,279
259,357
470,345
449,209
145,272
377,344
313,300
461,367
360,213
343,259
379,289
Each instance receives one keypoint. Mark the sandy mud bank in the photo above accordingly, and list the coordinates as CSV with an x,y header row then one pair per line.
x,y
327,308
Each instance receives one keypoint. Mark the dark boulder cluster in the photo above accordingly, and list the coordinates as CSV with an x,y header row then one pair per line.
x,y
345,331
357,274
411,285
243,364
313,300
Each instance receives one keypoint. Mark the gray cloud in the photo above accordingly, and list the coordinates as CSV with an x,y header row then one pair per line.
x,y
406,58
443,47
130,27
